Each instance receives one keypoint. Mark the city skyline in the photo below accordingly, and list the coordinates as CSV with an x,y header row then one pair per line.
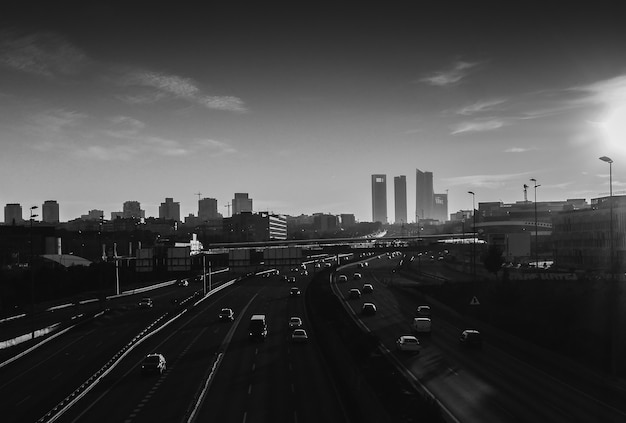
x,y
299,108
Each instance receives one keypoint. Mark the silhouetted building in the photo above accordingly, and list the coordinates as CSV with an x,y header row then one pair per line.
x,y
13,214
207,209
241,203
94,215
248,227
347,220
325,222
379,198
50,211
424,195
399,193
132,209
170,210
440,207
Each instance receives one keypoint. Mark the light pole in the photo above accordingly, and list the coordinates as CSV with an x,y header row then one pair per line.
x,y
474,229
536,251
32,272
610,162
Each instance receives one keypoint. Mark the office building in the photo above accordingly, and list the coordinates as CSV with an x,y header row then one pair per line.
x,y
347,220
379,198
424,195
50,211
132,210
440,207
169,210
13,214
241,203
248,227
93,215
399,194
207,209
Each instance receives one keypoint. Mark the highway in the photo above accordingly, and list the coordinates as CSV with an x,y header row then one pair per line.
x,y
496,384
249,381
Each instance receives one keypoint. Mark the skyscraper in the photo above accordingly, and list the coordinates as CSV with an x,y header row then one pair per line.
x,y
399,194
13,214
132,210
424,195
440,210
241,203
169,210
50,211
379,198
207,209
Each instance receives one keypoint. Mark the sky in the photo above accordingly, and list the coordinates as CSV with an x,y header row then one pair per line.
x,y
102,103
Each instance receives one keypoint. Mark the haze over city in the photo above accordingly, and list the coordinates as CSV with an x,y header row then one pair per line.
x,y
101,104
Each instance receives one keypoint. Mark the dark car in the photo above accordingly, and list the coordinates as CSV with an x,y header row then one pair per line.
x,y
368,288
226,314
368,309
153,363
294,292
471,338
354,293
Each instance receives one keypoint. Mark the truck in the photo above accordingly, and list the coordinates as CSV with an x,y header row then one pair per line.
x,y
257,329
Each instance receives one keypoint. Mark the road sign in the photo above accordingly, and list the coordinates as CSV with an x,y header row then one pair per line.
x,y
474,301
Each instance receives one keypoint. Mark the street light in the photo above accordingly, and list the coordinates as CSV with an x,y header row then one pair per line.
x,y
474,229
536,251
32,272
610,162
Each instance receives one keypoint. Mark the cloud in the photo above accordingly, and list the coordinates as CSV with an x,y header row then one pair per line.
x,y
478,126
177,87
55,120
216,148
480,107
451,76
44,54
519,149
484,181
105,153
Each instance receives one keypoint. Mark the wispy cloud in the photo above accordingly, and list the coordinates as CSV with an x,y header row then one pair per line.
x,y
178,87
450,76
215,148
43,54
519,149
480,107
477,126
485,181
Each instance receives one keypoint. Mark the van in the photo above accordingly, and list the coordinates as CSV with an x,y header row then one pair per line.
x,y
421,325
258,327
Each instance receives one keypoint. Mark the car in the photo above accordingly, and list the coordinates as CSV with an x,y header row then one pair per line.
x,y
354,293
153,363
368,309
471,338
423,311
304,273
318,265
294,292
327,265
368,288
183,282
145,302
408,343
299,335
357,276
421,325
295,322
291,279
342,278
226,314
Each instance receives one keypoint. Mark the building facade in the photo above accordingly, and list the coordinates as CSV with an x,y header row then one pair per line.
x,y
440,207
399,195
379,198
13,214
257,227
50,211
582,238
347,220
424,195
170,209
132,210
241,203
207,209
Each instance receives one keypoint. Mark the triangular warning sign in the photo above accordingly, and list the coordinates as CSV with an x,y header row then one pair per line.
x,y
474,301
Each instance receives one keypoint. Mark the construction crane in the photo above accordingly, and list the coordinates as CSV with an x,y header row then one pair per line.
x,y
199,194
525,193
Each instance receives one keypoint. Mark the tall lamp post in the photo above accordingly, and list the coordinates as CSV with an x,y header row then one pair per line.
x,y
610,162
32,271
536,251
474,240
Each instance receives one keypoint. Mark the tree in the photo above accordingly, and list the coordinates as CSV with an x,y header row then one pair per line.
x,y
493,259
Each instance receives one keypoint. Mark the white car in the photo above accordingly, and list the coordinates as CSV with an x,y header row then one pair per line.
x,y
295,322
408,343
299,335
342,278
